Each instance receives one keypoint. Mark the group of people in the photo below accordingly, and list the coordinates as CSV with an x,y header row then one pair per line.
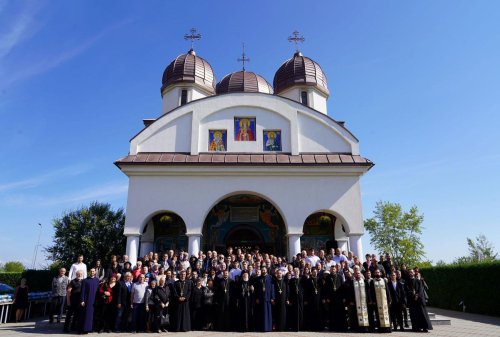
x,y
241,291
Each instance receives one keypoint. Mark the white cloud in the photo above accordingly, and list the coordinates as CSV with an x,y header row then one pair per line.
x,y
35,181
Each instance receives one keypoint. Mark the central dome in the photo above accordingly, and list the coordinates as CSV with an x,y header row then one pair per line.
x,y
243,81
189,68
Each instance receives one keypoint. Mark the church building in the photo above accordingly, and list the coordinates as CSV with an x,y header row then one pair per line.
x,y
243,163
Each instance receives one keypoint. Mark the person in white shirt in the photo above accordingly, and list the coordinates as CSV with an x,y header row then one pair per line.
x,y
78,266
312,259
339,258
235,271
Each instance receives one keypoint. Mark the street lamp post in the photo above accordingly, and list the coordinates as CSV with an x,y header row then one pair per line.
x,y
36,247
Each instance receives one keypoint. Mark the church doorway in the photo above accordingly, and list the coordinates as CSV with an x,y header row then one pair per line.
x,y
169,232
245,221
319,232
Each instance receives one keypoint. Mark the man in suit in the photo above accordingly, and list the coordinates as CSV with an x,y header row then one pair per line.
x,y
398,301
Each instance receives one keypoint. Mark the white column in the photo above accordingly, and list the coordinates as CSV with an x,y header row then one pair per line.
x,y
194,243
293,244
132,248
356,246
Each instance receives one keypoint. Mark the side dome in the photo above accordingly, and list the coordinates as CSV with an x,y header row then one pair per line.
x,y
243,81
189,68
300,70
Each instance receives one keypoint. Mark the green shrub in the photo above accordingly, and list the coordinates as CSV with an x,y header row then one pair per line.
x,y
11,279
39,280
474,284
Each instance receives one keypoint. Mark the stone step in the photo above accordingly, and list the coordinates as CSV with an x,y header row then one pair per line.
x,y
438,320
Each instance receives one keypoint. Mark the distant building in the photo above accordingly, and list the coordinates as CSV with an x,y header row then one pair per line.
x,y
243,163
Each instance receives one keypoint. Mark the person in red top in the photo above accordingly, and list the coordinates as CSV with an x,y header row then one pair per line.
x,y
137,270
103,304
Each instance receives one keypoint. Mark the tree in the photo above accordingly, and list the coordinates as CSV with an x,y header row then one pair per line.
x,y
396,232
13,267
480,250
95,231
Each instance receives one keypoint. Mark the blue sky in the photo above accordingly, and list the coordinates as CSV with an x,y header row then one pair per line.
x,y
417,82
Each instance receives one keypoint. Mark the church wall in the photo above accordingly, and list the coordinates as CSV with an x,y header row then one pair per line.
x,y
172,137
315,136
224,119
318,101
192,197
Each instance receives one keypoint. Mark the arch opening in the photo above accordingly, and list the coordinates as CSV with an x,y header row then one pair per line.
x,y
165,230
319,232
244,221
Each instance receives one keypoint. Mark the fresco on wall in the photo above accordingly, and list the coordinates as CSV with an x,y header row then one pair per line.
x,y
272,140
217,140
244,221
318,232
244,129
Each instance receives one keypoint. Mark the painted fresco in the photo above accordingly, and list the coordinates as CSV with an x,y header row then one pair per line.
x,y
217,140
272,140
265,229
318,231
244,129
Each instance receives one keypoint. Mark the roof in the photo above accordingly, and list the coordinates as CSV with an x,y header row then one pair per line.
x,y
189,68
243,81
238,159
300,70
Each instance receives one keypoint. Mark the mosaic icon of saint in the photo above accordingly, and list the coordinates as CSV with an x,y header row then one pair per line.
x,y
245,133
217,143
271,143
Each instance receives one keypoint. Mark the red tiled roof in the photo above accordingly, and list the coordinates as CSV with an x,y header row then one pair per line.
x,y
280,159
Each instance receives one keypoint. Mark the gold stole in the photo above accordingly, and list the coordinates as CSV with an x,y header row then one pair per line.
x,y
360,296
382,307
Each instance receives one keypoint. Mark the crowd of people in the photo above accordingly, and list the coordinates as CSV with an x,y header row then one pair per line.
x,y
241,291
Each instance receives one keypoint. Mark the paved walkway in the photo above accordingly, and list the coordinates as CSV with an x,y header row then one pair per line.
x,y
462,325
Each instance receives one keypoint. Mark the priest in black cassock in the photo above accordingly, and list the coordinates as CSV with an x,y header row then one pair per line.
x,y
264,297
280,301
223,294
380,296
181,295
312,302
356,295
87,299
334,298
295,311
244,298
415,298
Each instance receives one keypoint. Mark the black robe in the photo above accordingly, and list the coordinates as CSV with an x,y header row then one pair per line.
x,y
416,303
196,308
333,294
350,299
244,298
223,300
295,311
312,304
182,316
279,309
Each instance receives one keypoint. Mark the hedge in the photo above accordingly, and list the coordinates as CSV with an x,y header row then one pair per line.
x,y
38,280
474,284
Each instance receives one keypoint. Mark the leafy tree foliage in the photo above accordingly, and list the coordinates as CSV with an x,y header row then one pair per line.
x,y
480,250
13,267
95,231
397,232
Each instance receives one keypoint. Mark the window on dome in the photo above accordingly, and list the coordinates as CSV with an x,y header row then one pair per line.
x,y
184,96
303,97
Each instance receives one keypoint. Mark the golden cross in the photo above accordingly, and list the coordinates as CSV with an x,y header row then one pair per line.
x,y
193,36
296,39
243,58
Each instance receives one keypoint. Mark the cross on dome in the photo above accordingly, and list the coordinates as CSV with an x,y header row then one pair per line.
x,y
193,36
243,58
296,39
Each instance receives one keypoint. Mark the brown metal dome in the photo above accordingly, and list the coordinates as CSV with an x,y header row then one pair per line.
x,y
189,68
300,70
243,81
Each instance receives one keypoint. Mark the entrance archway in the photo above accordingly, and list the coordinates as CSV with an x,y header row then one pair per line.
x,y
169,232
319,232
245,221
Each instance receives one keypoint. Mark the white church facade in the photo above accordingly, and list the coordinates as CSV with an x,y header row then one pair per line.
x,y
243,163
